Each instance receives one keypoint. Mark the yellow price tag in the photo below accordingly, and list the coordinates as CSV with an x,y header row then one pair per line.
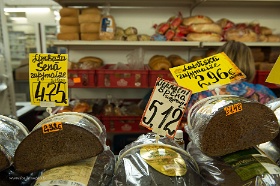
x,y
273,76
207,73
48,79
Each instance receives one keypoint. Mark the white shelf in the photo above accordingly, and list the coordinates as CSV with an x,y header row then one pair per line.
x,y
251,44
128,43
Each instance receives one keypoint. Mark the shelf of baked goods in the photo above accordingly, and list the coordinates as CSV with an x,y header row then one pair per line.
x,y
126,3
95,43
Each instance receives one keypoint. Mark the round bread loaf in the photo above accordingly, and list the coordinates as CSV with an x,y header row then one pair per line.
x,y
69,29
68,36
69,12
220,125
90,18
241,35
69,21
89,27
90,63
159,62
60,139
134,168
204,37
12,132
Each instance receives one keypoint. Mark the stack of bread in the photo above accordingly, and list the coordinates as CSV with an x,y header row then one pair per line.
x,y
202,28
89,21
69,24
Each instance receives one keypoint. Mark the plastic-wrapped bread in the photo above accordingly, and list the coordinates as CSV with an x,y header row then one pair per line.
x,y
248,167
145,162
12,132
60,139
96,171
223,124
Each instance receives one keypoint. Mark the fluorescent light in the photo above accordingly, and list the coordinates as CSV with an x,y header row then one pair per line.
x,y
38,9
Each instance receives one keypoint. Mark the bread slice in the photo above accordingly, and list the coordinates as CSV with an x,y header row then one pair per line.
x,y
77,140
218,131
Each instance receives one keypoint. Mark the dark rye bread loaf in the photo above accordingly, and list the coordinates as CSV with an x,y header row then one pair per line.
x,y
247,167
81,136
220,125
12,132
133,170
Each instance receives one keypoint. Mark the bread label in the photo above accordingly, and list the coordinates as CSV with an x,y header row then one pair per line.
x,y
232,109
52,127
76,174
164,160
207,73
250,163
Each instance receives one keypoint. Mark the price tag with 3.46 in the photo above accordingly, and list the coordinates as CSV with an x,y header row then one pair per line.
x,y
165,108
48,79
207,73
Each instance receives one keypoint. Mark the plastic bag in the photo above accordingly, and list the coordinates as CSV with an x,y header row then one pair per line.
x,y
220,125
144,162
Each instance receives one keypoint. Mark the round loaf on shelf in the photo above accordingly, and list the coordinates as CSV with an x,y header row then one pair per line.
x,y
69,21
69,12
69,29
90,63
204,37
89,18
223,124
68,36
89,27
159,62
89,36
60,139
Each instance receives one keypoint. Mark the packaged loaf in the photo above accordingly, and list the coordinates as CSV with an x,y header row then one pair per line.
x,y
12,132
95,171
145,162
107,26
60,139
223,124
250,167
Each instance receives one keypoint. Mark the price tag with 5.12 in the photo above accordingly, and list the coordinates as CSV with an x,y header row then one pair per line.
x,y
165,108
48,79
207,73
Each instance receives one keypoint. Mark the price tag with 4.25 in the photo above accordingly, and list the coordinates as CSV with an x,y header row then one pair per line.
x,y
48,79
165,108
207,73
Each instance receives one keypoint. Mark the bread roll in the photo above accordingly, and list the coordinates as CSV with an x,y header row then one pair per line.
x,y
196,19
159,62
89,27
204,37
89,18
69,29
89,36
69,21
69,12
241,35
68,36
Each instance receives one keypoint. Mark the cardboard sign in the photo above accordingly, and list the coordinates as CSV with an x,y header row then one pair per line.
x,y
273,76
207,73
48,79
165,108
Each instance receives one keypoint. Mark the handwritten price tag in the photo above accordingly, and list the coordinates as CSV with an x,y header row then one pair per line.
x,y
48,79
273,76
207,73
165,108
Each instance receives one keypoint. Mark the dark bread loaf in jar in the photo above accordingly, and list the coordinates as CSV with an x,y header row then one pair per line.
x,y
12,132
132,167
60,139
220,125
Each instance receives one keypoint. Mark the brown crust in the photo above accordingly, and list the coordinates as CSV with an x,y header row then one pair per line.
x,y
40,151
4,162
254,125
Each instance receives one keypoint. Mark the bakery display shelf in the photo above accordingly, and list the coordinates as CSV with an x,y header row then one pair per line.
x,y
126,3
250,44
262,3
66,43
